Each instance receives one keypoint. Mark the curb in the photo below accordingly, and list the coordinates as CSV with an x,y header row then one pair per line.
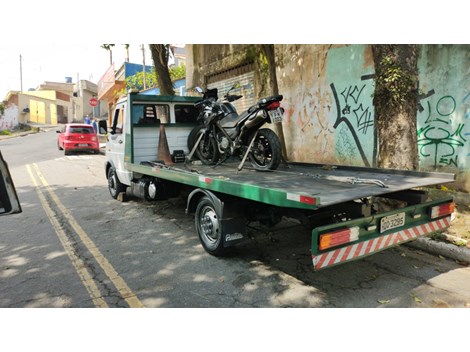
x,y
448,250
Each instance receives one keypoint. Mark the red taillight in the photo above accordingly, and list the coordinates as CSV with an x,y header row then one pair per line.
x,y
273,106
301,198
442,210
307,200
339,237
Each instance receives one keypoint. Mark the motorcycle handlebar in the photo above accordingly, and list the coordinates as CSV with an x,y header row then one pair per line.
x,y
231,98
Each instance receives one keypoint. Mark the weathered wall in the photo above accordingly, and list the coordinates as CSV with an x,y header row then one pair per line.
x,y
208,59
9,119
328,97
330,114
444,110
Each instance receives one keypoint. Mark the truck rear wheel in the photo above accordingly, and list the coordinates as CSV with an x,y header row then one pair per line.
x,y
114,185
209,227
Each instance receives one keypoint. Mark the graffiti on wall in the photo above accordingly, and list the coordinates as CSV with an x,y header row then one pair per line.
x,y
355,121
9,119
441,137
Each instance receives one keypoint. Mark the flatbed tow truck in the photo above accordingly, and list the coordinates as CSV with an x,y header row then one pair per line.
x,y
352,212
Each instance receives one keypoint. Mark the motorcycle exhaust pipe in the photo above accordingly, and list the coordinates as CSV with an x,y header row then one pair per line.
x,y
255,119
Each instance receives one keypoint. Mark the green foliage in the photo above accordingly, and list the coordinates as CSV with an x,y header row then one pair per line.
x,y
395,82
2,108
5,133
107,46
137,81
177,72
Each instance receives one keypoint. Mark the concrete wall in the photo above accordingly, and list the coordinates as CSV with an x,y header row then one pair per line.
x,y
328,97
444,110
330,114
9,119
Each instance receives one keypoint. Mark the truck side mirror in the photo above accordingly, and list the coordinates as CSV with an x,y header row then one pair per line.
x,y
9,202
102,127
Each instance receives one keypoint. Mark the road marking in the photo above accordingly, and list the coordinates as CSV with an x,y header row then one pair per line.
x,y
74,157
77,262
123,289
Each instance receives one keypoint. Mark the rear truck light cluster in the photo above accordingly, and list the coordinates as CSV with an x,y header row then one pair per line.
x,y
442,210
339,237
343,245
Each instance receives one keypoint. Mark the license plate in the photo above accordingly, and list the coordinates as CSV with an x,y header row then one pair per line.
x,y
392,221
83,145
276,115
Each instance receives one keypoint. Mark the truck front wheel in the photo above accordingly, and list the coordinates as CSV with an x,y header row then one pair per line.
x,y
209,227
114,185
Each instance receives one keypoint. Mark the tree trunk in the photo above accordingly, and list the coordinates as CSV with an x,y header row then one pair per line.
x,y
268,51
160,60
395,102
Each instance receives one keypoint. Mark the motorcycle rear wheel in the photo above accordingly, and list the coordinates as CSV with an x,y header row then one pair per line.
x,y
266,151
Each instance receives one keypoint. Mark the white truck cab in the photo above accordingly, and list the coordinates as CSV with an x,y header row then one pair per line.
x,y
134,132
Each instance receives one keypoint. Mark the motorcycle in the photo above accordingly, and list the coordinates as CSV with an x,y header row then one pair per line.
x,y
223,132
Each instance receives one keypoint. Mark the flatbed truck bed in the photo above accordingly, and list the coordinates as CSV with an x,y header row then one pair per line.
x,y
319,185
345,226
351,212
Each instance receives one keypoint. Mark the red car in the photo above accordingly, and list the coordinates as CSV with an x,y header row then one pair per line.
x,y
75,137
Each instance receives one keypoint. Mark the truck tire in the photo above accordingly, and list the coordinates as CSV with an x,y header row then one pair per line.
x,y
114,185
266,152
209,227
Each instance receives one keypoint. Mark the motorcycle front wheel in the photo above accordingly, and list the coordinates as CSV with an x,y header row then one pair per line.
x,y
266,151
207,150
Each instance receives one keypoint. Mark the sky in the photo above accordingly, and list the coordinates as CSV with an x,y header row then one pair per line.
x,y
54,62
60,44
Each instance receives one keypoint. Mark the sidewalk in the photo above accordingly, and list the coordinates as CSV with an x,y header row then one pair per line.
x,y
453,243
35,128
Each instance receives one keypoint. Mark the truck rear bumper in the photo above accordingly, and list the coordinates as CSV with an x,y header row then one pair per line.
x,y
368,247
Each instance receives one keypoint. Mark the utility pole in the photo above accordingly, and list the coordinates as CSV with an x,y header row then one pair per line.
x,y
143,60
21,74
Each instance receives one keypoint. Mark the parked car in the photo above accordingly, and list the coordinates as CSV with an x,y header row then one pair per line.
x,y
76,137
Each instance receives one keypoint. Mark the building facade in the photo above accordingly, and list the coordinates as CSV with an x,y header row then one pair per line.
x,y
51,103
328,98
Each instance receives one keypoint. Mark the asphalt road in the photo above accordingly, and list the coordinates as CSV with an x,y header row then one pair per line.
x,y
75,246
